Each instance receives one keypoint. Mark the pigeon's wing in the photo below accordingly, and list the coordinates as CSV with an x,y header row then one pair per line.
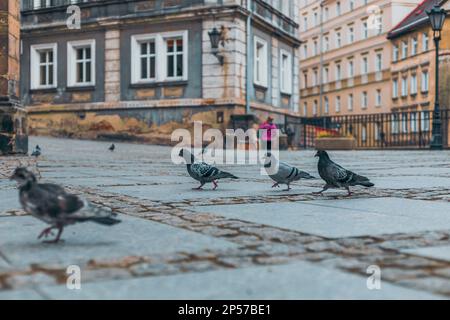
x,y
285,173
52,188
204,170
338,173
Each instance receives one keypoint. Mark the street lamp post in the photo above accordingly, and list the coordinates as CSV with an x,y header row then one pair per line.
x,y
437,18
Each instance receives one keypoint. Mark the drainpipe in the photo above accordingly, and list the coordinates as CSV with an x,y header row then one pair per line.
x,y
321,66
249,59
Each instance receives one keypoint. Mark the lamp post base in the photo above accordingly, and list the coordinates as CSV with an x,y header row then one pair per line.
x,y
436,135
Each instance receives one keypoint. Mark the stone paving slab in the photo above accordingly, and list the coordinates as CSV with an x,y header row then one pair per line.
x,y
9,199
344,218
134,236
27,294
440,252
405,182
226,189
300,280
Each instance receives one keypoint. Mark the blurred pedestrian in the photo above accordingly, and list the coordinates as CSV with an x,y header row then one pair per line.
x,y
267,135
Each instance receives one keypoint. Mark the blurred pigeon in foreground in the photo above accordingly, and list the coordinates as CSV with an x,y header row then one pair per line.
x,y
36,152
286,174
202,171
337,177
51,204
112,147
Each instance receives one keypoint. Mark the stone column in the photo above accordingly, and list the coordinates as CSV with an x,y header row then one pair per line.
x,y
13,125
112,66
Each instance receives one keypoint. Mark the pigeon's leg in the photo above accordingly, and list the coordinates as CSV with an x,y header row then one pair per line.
x,y
349,192
215,184
46,232
276,185
325,188
200,187
58,236
288,187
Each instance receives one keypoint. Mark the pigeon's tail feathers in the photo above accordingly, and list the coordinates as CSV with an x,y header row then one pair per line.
x,y
305,175
363,181
108,221
225,175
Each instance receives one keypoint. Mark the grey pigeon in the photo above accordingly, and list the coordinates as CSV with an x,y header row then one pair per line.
x,y
112,147
202,171
286,174
51,204
337,177
36,152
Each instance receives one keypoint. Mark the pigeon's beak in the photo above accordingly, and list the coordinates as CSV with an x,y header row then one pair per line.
x,y
317,154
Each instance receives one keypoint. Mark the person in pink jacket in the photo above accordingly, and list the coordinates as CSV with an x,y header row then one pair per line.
x,y
267,135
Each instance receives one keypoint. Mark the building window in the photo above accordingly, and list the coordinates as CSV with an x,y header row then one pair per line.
x,y
338,72
261,65
404,87
316,48
364,100
413,122
414,46
395,53
338,8
364,66
378,98
338,104
352,5
315,108
404,49
285,7
350,102
414,84
425,41
363,133
81,63
338,39
43,62
305,51
425,120
315,78
365,30
286,72
305,109
305,23
38,4
394,123
305,79
326,44
378,62
327,105
325,74
395,88
425,81
159,57
351,34
404,122
351,69
316,19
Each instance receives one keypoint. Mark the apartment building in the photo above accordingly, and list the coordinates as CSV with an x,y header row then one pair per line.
x,y
149,67
413,62
345,57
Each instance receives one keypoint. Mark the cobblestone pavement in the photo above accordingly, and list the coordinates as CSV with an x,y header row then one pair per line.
x,y
244,240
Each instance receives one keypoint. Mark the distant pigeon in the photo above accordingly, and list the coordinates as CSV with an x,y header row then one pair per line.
x,y
112,147
202,171
285,173
36,152
337,177
51,204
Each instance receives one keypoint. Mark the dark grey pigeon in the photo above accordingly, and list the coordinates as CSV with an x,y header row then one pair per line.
x,y
285,173
112,147
203,172
51,204
337,177
36,152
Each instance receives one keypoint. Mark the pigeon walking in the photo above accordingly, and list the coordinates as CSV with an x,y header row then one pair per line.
x,y
36,152
112,147
285,173
202,171
336,176
51,204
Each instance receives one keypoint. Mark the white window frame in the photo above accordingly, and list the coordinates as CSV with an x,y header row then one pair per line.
x,y
395,52
71,62
378,62
425,81
351,69
364,65
264,72
35,65
425,42
350,102
337,107
414,84
285,73
395,88
160,58
404,87
38,4
364,100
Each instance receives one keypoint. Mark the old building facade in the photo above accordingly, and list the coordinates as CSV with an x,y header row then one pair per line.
x,y
147,67
345,55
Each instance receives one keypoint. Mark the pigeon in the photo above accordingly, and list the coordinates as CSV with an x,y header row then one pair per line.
x,y
112,147
286,174
337,177
202,171
54,206
36,152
